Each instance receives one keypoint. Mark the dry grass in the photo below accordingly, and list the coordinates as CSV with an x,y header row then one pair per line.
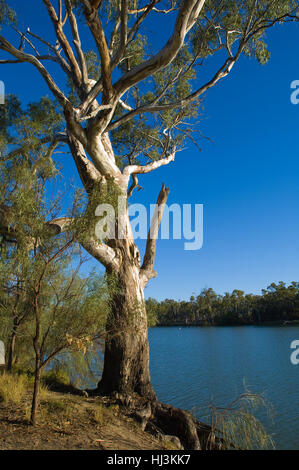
x,y
57,407
98,414
12,388
66,421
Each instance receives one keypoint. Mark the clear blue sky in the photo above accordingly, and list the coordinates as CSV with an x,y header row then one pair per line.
x,y
246,176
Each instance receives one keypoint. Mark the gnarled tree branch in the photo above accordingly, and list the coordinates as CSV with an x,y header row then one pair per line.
x,y
187,15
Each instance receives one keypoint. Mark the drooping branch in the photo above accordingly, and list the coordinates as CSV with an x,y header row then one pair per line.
x,y
147,269
134,185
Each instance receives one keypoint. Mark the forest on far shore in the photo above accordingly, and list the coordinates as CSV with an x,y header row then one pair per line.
x,y
277,303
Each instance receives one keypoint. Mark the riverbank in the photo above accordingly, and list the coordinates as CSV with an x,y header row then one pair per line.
x,y
68,421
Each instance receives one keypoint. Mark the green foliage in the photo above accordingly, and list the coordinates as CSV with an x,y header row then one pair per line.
x,y
223,31
21,130
10,113
7,14
85,205
152,306
71,307
57,375
278,303
44,116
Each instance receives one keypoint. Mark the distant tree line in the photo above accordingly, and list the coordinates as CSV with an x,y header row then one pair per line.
x,y
278,303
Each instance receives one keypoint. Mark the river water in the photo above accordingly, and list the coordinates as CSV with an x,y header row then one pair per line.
x,y
192,367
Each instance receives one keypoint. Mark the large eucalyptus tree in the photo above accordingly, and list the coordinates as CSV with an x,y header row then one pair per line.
x,y
126,107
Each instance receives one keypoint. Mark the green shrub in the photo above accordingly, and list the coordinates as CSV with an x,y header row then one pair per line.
x,y
56,376
237,425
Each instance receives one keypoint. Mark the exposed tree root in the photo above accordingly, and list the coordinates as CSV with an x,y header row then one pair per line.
x,y
162,419
193,434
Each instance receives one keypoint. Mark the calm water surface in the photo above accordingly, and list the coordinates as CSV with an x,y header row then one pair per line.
x,y
193,366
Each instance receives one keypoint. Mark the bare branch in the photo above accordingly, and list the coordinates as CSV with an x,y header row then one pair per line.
x,y
134,185
77,41
141,169
125,105
157,10
6,46
64,43
140,20
19,61
23,38
123,33
96,28
147,269
55,49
